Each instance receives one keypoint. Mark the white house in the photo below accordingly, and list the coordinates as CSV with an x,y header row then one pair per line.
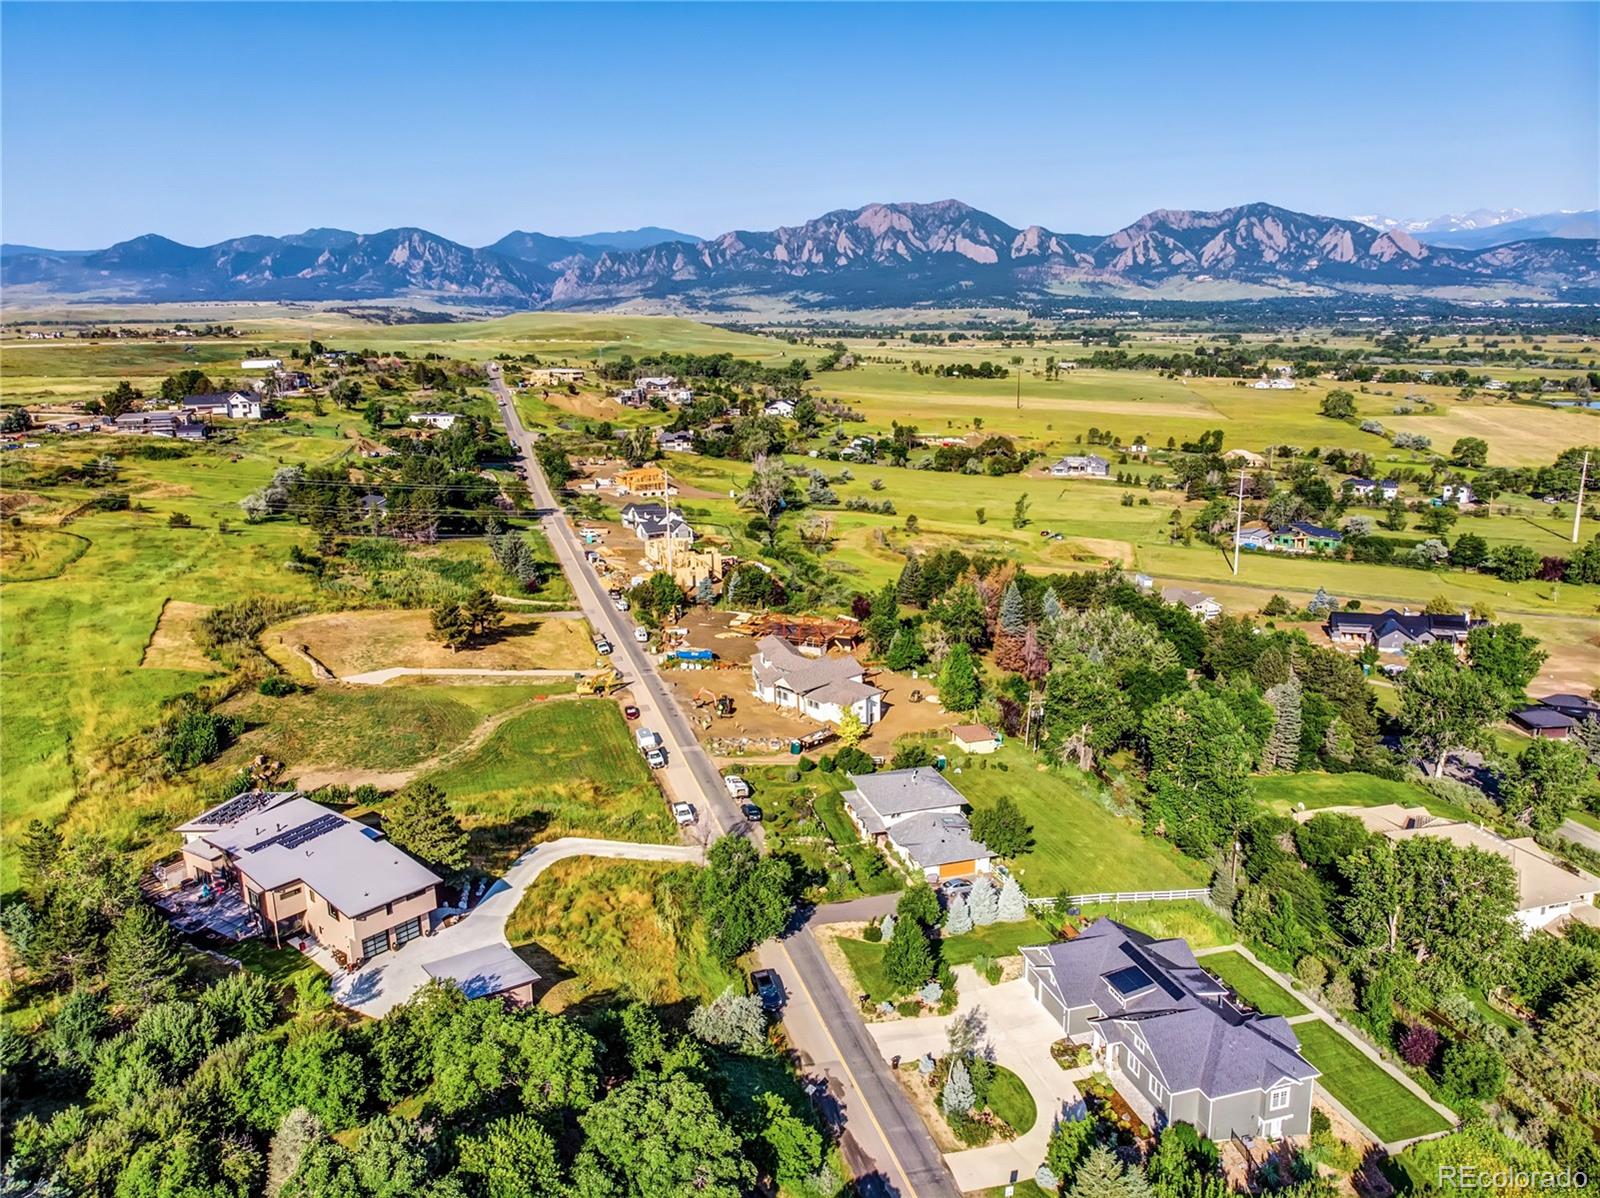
x,y
1245,457
236,405
920,816
1195,602
441,420
261,364
1459,494
780,407
1074,465
823,688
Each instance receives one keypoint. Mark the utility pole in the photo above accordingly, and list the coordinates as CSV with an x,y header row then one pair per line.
x,y
1019,388
1577,516
1238,521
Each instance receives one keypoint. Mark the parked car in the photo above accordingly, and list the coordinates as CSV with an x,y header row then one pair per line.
x,y
738,788
647,738
642,635
954,886
620,603
630,712
656,758
603,648
684,814
768,988
751,812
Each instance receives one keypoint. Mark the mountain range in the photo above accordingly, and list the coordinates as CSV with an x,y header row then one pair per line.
x,y
878,255
1486,227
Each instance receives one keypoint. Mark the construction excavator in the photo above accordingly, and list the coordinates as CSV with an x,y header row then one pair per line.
x,y
602,682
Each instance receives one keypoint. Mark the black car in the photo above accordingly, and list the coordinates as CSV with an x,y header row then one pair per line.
x,y
751,812
768,987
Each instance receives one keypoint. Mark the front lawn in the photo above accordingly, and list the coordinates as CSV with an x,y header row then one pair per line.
x,y
1249,983
1390,1110
995,941
1286,793
1010,1101
1079,845
866,962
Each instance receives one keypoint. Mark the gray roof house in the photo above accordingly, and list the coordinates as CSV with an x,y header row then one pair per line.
x,y
822,688
1081,465
921,816
1173,1038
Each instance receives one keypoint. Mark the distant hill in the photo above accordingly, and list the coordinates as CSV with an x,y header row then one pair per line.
x,y
1485,227
632,239
879,254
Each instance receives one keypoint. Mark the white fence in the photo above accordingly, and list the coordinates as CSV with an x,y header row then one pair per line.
x,y
1123,896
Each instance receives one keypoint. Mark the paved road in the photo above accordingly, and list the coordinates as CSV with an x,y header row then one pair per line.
x,y
391,978
883,1138
690,776
1580,833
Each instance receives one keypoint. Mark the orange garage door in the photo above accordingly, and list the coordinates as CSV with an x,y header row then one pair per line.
x,y
956,869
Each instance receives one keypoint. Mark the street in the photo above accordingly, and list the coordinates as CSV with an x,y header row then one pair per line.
x,y
690,776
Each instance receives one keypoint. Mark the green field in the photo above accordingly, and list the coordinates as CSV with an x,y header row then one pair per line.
x,y
1286,793
1390,1110
1250,984
566,768
1181,919
1080,847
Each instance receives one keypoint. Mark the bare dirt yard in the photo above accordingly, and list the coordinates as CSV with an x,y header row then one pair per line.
x,y
354,642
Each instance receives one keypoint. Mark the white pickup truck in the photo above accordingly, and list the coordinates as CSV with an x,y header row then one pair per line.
x,y
646,740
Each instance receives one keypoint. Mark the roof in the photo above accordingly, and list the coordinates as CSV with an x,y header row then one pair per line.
x,y
279,837
1571,704
895,794
1185,596
934,838
1083,461
1411,626
1313,530
826,679
971,733
481,972
1542,881
1542,717
1198,1036
215,399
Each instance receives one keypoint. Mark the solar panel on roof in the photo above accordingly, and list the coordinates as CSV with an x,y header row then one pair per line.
x,y
1129,981
294,837
237,807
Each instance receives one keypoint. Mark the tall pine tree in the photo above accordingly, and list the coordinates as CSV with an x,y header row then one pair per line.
x,y
1282,751
1013,611
142,962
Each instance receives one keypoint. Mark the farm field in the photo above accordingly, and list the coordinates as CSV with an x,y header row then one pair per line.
x,y
1080,847
1250,984
1385,1106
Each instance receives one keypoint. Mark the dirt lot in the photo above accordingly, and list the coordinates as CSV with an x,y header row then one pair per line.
x,y
172,645
769,727
352,642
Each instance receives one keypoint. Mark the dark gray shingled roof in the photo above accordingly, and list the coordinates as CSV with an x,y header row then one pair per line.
x,y
1197,1036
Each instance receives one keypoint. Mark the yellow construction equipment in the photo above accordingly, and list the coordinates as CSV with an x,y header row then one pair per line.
x,y
600,683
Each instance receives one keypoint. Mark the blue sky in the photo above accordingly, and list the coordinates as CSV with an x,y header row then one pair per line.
x,y
201,122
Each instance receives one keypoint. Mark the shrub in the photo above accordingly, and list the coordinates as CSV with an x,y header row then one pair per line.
x,y
1472,1069
1418,1045
275,686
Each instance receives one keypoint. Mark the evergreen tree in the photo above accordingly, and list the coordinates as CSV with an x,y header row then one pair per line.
x,y
1051,607
142,962
1013,904
482,612
1013,612
887,927
959,1097
958,680
957,916
983,903
37,855
908,960
883,622
910,587
906,651
1282,750
451,625
420,821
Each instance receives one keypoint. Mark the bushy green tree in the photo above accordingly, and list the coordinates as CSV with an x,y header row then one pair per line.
x,y
745,898
1002,828
1200,760
908,960
419,820
958,680
142,962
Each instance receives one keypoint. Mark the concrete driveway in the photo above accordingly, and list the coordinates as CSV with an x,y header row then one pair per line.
x,y
391,978
1017,1034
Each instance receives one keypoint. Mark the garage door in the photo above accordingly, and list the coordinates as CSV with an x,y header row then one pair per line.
x,y
957,869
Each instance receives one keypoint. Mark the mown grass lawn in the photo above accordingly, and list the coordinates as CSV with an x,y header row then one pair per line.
x,y
1250,984
1010,1101
1079,845
1390,1110
562,768
1286,793
995,941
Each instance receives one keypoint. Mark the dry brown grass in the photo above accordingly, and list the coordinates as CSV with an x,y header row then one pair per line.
x,y
172,645
354,642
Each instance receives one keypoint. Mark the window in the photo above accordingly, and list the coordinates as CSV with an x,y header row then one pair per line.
x,y
289,891
1278,1099
1131,1064
408,931
373,945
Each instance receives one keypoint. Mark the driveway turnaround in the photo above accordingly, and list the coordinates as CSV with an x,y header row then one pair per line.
x,y
1014,1031
389,979
690,775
